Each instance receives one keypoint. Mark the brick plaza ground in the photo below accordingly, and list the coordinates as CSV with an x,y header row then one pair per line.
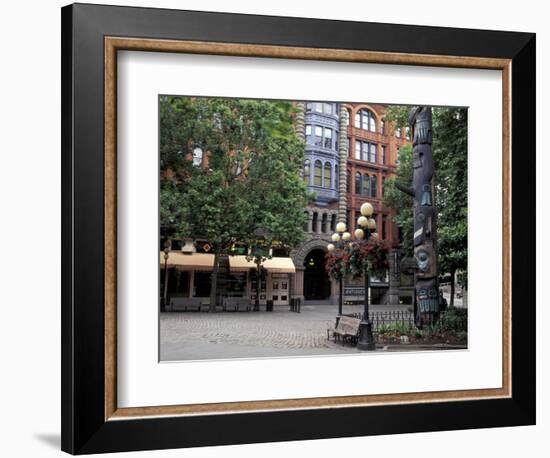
x,y
202,335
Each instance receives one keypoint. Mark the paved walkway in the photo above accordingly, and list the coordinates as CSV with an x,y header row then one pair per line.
x,y
202,335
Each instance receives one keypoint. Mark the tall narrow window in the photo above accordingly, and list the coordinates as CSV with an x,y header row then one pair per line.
x,y
309,138
372,152
365,151
349,118
373,186
336,177
384,227
383,155
366,184
314,222
358,120
328,138
328,175
382,187
372,123
307,170
324,221
357,149
318,174
348,181
333,223
382,127
197,156
364,120
318,139
358,183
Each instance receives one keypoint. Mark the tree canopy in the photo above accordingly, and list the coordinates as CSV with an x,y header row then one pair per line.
x,y
230,169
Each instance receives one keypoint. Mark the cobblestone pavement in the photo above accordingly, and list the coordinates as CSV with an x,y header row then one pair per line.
x,y
202,335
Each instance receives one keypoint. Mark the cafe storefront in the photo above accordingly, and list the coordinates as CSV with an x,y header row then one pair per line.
x,y
190,276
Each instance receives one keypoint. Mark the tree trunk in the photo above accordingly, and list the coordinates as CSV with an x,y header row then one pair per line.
x,y
214,283
452,301
258,287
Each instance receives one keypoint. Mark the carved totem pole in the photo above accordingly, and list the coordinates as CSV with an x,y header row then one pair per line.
x,y
425,235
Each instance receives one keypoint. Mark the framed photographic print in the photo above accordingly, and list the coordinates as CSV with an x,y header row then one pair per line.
x,y
285,228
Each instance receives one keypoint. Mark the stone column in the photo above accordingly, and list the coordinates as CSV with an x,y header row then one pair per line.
x,y
394,277
343,149
299,127
299,284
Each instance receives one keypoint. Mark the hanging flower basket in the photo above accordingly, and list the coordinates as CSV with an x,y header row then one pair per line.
x,y
336,264
372,255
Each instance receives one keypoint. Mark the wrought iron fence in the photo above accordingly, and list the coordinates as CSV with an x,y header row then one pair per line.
x,y
403,320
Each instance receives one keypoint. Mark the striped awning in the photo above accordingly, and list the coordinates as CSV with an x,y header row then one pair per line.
x,y
193,261
281,265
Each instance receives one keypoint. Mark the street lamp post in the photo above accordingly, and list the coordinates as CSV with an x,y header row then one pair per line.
x,y
365,230
165,292
340,238
364,233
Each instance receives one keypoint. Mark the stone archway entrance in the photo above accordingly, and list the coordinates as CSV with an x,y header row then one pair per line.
x,y
316,279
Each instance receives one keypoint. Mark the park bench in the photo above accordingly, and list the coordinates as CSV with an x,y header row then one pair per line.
x,y
236,304
184,304
345,329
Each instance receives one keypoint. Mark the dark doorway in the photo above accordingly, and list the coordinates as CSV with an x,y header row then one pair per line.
x,y
316,280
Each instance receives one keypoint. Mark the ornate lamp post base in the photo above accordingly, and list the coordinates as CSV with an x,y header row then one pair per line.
x,y
366,339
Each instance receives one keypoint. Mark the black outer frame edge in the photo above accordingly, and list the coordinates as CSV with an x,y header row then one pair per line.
x,y
83,427
67,413
523,165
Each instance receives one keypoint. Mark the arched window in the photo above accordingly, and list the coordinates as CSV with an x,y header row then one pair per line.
x,y
314,222
358,183
373,186
365,119
328,175
197,156
366,184
324,221
318,174
307,170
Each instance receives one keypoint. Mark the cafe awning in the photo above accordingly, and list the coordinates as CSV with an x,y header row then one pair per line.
x,y
279,265
194,261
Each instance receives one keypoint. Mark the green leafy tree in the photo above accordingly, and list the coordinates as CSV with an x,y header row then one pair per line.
x,y
247,188
450,128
